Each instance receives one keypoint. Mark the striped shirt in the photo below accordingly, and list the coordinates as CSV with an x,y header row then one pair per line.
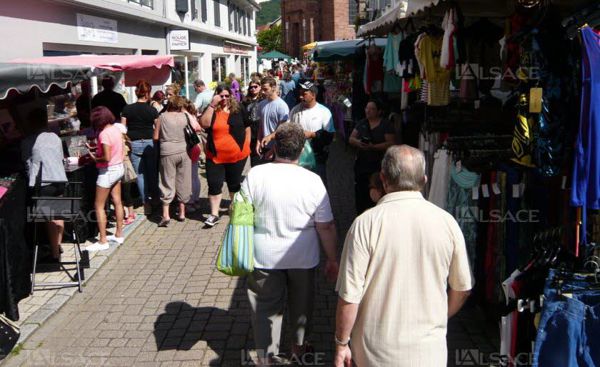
x,y
288,200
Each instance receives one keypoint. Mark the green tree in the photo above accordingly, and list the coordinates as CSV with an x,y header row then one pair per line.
x,y
271,39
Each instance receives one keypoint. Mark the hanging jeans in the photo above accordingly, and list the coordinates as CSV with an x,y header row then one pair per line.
x,y
144,157
569,330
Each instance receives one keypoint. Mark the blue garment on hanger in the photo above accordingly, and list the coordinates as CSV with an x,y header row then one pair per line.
x,y
462,206
585,191
392,83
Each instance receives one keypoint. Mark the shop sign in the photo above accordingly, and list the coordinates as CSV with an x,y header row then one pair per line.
x,y
233,48
96,29
179,39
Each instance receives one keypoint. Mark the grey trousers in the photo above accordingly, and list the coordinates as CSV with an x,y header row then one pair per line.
x,y
266,292
175,178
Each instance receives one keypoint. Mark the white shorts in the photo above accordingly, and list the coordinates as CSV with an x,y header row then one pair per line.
x,y
108,176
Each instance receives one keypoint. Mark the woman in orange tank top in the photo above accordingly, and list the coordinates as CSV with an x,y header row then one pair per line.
x,y
227,147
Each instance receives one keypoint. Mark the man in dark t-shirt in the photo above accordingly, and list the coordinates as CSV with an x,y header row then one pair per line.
x,y
109,98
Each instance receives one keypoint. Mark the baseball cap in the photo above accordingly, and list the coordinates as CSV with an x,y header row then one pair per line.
x,y
308,85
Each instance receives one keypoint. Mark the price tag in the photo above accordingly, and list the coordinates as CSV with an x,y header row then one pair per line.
x,y
516,191
535,100
485,189
458,166
475,193
477,104
496,188
564,183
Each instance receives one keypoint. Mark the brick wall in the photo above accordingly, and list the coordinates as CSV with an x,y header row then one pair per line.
x,y
320,20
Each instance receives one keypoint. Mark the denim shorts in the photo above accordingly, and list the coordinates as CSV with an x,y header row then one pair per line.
x,y
569,330
109,176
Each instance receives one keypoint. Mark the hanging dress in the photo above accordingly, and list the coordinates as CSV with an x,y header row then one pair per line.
x,y
585,191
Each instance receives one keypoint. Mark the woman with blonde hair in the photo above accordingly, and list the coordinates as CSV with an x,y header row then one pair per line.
x,y
175,164
228,147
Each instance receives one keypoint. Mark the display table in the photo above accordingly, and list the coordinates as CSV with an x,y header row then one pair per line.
x,y
15,253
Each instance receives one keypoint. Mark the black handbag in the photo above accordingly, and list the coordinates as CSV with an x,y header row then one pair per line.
x,y
191,138
9,335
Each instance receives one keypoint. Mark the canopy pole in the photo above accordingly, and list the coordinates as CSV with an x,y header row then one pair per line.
x,y
94,85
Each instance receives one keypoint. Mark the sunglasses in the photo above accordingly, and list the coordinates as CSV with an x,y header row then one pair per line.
x,y
253,86
224,95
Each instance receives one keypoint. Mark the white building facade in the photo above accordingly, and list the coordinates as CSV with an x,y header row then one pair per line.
x,y
210,38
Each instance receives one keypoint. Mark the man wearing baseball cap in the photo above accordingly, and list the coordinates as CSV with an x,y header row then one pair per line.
x,y
317,122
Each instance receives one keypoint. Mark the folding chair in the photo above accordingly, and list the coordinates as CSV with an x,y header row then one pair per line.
x,y
46,208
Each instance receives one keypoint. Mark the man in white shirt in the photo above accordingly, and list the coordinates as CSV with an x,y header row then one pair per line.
x,y
317,122
292,216
203,97
404,272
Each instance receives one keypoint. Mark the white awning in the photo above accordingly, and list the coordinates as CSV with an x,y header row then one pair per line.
x,y
408,8
387,19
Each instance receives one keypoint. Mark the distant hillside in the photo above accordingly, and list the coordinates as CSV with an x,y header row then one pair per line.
x,y
269,11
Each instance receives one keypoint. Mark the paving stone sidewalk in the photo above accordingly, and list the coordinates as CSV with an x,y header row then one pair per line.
x,y
159,301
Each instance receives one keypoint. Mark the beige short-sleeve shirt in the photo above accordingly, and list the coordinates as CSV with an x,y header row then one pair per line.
x,y
398,261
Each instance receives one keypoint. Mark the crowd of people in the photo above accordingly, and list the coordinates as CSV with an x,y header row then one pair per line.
x,y
157,143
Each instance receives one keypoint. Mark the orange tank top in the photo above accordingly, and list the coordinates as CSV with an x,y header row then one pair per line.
x,y
228,150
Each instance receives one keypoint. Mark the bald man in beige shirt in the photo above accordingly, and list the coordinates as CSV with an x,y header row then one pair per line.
x,y
404,272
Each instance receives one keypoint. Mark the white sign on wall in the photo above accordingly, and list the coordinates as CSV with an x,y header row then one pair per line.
x,y
96,29
179,39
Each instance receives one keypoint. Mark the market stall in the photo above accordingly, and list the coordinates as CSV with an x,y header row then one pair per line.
x,y
500,96
50,84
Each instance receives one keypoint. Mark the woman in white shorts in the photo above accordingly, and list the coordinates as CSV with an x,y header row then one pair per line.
x,y
108,155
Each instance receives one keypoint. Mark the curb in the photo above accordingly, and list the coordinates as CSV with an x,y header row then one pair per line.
x,y
37,319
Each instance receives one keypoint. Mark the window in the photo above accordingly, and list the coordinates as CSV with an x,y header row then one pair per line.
x,y
245,69
219,68
244,16
148,3
217,8
230,15
352,12
203,10
249,28
195,9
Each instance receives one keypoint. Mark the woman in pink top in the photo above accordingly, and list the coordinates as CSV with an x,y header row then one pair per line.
x,y
108,155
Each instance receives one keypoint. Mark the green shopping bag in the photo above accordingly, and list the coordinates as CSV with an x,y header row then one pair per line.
x,y
307,157
236,255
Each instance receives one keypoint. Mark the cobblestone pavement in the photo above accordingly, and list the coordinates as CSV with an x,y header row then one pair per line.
x,y
159,301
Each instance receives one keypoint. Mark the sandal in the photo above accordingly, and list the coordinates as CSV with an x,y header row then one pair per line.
x,y
164,222
180,219
128,220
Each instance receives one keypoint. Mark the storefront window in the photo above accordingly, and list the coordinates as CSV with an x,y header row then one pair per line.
x,y
193,75
245,69
219,68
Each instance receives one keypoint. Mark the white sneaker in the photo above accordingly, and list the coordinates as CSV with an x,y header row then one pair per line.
x,y
98,247
113,238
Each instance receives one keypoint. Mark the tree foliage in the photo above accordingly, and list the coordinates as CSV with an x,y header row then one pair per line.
x,y
271,39
269,11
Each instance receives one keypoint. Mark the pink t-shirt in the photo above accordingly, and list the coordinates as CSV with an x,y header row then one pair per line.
x,y
112,136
